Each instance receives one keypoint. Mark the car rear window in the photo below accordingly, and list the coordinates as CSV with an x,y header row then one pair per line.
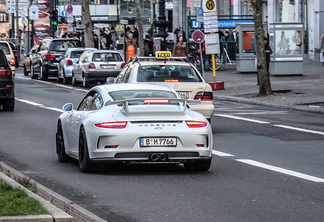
x,y
76,54
5,48
63,45
167,73
3,59
102,57
132,94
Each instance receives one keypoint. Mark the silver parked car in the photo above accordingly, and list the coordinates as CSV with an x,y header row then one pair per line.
x,y
69,58
96,66
134,123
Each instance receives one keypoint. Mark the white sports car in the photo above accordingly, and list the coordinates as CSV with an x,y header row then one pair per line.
x,y
130,123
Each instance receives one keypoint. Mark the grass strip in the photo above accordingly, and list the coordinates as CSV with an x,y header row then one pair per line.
x,y
16,202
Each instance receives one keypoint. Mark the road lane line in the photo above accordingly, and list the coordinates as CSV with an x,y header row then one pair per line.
x,y
300,129
241,118
282,170
39,105
275,125
219,153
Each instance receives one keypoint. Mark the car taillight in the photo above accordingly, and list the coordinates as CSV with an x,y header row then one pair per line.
x,y
92,66
69,62
156,101
12,62
15,53
50,56
204,96
112,125
196,124
6,72
122,65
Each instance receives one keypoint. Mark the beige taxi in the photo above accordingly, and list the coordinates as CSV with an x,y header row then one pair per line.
x,y
9,54
174,72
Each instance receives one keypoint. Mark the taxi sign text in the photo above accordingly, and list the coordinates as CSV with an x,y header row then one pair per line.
x,y
163,55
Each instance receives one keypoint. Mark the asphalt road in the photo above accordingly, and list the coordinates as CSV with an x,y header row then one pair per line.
x,y
268,165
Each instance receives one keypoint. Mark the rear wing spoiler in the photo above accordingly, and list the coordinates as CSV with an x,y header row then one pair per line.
x,y
126,110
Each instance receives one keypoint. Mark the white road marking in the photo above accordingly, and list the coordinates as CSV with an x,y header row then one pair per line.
x,y
219,153
241,118
54,84
39,105
282,170
300,129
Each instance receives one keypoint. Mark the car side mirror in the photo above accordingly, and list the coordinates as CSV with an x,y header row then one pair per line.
x,y
110,80
68,107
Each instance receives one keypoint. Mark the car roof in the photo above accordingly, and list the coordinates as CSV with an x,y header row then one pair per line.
x,y
105,50
134,86
81,48
161,62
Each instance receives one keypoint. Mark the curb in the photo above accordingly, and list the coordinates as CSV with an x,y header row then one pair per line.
x,y
60,208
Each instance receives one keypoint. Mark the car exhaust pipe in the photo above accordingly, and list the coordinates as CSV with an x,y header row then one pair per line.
x,y
155,157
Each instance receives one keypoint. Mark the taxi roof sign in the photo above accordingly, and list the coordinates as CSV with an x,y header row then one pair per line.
x,y
163,55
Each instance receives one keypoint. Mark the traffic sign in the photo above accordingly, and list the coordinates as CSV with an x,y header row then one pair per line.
x,y
33,12
69,9
198,36
64,13
195,24
200,12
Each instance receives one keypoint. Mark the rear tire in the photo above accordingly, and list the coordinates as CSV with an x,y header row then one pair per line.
x,y
43,75
8,104
32,73
74,82
60,147
25,72
84,160
85,82
198,165
65,80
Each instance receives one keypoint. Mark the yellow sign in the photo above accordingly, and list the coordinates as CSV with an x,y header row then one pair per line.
x,y
163,54
210,4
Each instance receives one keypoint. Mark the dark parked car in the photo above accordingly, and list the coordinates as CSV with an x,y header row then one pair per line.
x,y
45,62
7,96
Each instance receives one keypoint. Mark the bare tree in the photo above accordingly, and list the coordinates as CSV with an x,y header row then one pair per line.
x,y
140,27
263,73
88,28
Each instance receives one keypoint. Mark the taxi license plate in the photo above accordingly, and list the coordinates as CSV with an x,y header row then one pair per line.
x,y
152,142
184,95
108,67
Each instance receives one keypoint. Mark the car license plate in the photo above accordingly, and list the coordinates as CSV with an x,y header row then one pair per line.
x,y
108,67
152,142
184,95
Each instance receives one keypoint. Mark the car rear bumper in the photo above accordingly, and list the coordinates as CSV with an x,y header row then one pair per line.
x,y
206,109
102,75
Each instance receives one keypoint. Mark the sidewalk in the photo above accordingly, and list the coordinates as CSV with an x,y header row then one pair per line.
x,y
304,92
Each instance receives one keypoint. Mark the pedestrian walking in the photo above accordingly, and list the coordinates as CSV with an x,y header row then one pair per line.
x,y
131,48
180,48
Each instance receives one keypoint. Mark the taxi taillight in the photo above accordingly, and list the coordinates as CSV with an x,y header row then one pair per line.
x,y
122,65
12,62
204,96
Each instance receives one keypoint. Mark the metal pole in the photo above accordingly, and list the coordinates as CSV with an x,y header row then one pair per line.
x,y
201,60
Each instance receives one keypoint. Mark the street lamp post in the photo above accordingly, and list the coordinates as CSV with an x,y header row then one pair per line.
x,y
161,23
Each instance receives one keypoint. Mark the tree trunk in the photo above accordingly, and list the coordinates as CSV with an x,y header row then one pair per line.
x,y
140,27
263,73
88,28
